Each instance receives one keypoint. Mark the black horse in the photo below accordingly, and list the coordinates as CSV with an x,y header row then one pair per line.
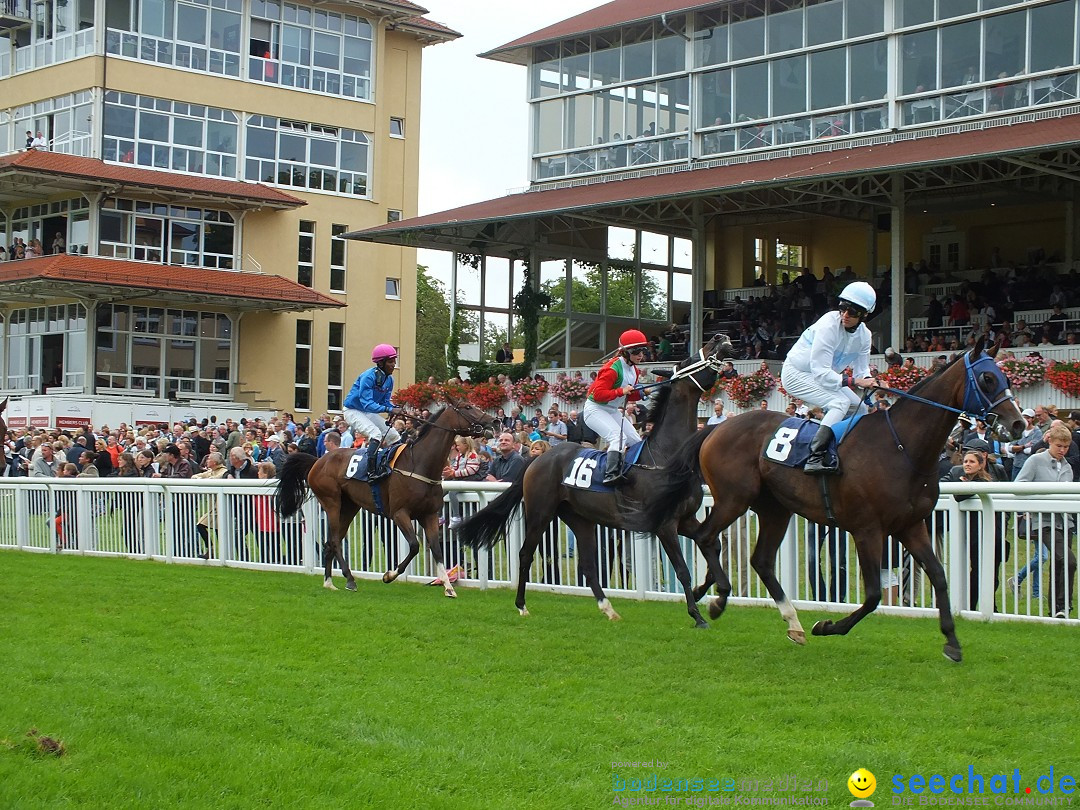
x,y
889,485
672,408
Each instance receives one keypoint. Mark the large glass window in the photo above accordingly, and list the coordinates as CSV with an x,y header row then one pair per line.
x,y
317,50
162,350
338,245
171,135
302,380
65,121
1053,34
335,364
309,156
202,35
171,234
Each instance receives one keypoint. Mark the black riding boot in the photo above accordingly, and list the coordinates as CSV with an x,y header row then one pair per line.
x,y
373,471
821,462
612,468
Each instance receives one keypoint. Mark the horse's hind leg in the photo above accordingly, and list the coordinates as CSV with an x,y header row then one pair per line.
x,y
670,541
345,518
585,532
917,541
772,525
340,512
868,546
708,542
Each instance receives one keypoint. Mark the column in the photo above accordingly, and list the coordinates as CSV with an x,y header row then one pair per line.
x,y
697,284
897,228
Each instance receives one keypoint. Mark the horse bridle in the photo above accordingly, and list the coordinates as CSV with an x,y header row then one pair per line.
x,y
475,428
690,369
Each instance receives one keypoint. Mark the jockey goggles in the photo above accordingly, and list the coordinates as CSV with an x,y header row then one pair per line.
x,y
851,309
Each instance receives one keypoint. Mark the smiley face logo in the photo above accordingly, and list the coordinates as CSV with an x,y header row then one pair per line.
x,y
862,784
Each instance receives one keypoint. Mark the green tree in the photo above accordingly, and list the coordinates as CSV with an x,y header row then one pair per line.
x,y
585,296
432,327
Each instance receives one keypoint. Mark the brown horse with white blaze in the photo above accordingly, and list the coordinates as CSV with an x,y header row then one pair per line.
x,y
888,486
413,491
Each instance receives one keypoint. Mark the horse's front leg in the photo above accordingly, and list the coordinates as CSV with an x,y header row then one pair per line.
x,y
670,542
917,541
403,520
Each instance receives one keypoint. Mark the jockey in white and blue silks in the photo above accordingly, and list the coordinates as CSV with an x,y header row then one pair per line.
x,y
369,399
813,370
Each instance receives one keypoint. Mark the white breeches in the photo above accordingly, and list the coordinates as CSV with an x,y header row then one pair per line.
x,y
837,405
610,425
371,425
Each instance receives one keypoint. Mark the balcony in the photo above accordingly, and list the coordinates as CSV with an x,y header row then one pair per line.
x,y
14,13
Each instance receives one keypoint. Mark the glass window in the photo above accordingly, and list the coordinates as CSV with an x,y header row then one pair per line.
x,y
153,127
188,132
919,61
710,41
1006,38
956,8
961,49
579,120
357,56
716,98
865,17
606,60
156,18
637,58
748,38
119,121
914,12
789,85
825,23
191,24
869,79
671,51
751,91
548,116
1053,28
327,51
828,78
785,31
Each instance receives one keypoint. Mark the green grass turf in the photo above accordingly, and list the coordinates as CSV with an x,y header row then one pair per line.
x,y
207,687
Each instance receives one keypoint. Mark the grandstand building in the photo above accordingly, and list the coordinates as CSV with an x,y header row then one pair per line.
x,y
701,148
195,167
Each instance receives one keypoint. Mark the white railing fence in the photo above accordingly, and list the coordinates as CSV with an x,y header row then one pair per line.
x,y
994,571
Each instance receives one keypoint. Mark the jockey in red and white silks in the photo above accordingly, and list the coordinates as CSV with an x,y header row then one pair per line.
x,y
617,380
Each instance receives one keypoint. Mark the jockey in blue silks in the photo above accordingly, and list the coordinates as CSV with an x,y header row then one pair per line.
x,y
813,370
368,400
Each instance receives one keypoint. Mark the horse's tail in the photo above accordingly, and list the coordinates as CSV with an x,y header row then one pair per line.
x,y
663,499
488,526
292,482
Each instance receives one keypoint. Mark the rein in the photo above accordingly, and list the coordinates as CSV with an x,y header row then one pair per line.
x,y
711,362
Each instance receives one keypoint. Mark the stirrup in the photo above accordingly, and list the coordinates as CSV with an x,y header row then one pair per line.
x,y
821,465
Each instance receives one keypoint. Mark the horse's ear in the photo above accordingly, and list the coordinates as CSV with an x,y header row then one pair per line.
x,y
992,352
980,344
3,405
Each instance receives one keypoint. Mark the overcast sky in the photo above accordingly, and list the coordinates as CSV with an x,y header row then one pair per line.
x,y
474,114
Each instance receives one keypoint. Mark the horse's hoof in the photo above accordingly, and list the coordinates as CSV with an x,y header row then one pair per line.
x,y
389,576
716,608
701,624
614,617
450,593
798,636
952,653
329,585
350,585
523,611
821,628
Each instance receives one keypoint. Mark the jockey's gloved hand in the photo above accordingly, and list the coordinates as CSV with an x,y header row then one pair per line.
x,y
846,381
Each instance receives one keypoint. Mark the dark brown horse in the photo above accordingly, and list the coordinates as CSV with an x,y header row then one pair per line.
x,y
888,485
412,492
546,495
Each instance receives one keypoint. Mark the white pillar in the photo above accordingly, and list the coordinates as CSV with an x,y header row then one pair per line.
x,y
899,314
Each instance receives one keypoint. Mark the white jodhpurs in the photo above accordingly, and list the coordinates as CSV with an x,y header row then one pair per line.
x,y
371,425
837,405
610,425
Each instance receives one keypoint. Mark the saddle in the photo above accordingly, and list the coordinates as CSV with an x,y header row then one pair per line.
x,y
789,445
358,463
586,469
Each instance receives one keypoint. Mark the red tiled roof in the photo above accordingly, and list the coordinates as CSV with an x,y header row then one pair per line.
x,y
856,160
163,278
609,15
61,165
431,25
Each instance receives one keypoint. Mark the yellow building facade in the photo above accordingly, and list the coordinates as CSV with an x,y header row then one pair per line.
x,y
175,230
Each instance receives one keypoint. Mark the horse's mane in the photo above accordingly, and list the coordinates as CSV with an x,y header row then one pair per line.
x,y
426,427
657,401
930,377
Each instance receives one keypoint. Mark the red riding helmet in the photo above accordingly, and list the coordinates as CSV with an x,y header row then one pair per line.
x,y
631,338
384,351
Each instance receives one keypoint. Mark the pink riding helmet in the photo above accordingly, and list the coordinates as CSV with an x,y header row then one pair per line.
x,y
384,351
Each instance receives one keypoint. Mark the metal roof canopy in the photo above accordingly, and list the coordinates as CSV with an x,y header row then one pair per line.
x,y
1038,158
